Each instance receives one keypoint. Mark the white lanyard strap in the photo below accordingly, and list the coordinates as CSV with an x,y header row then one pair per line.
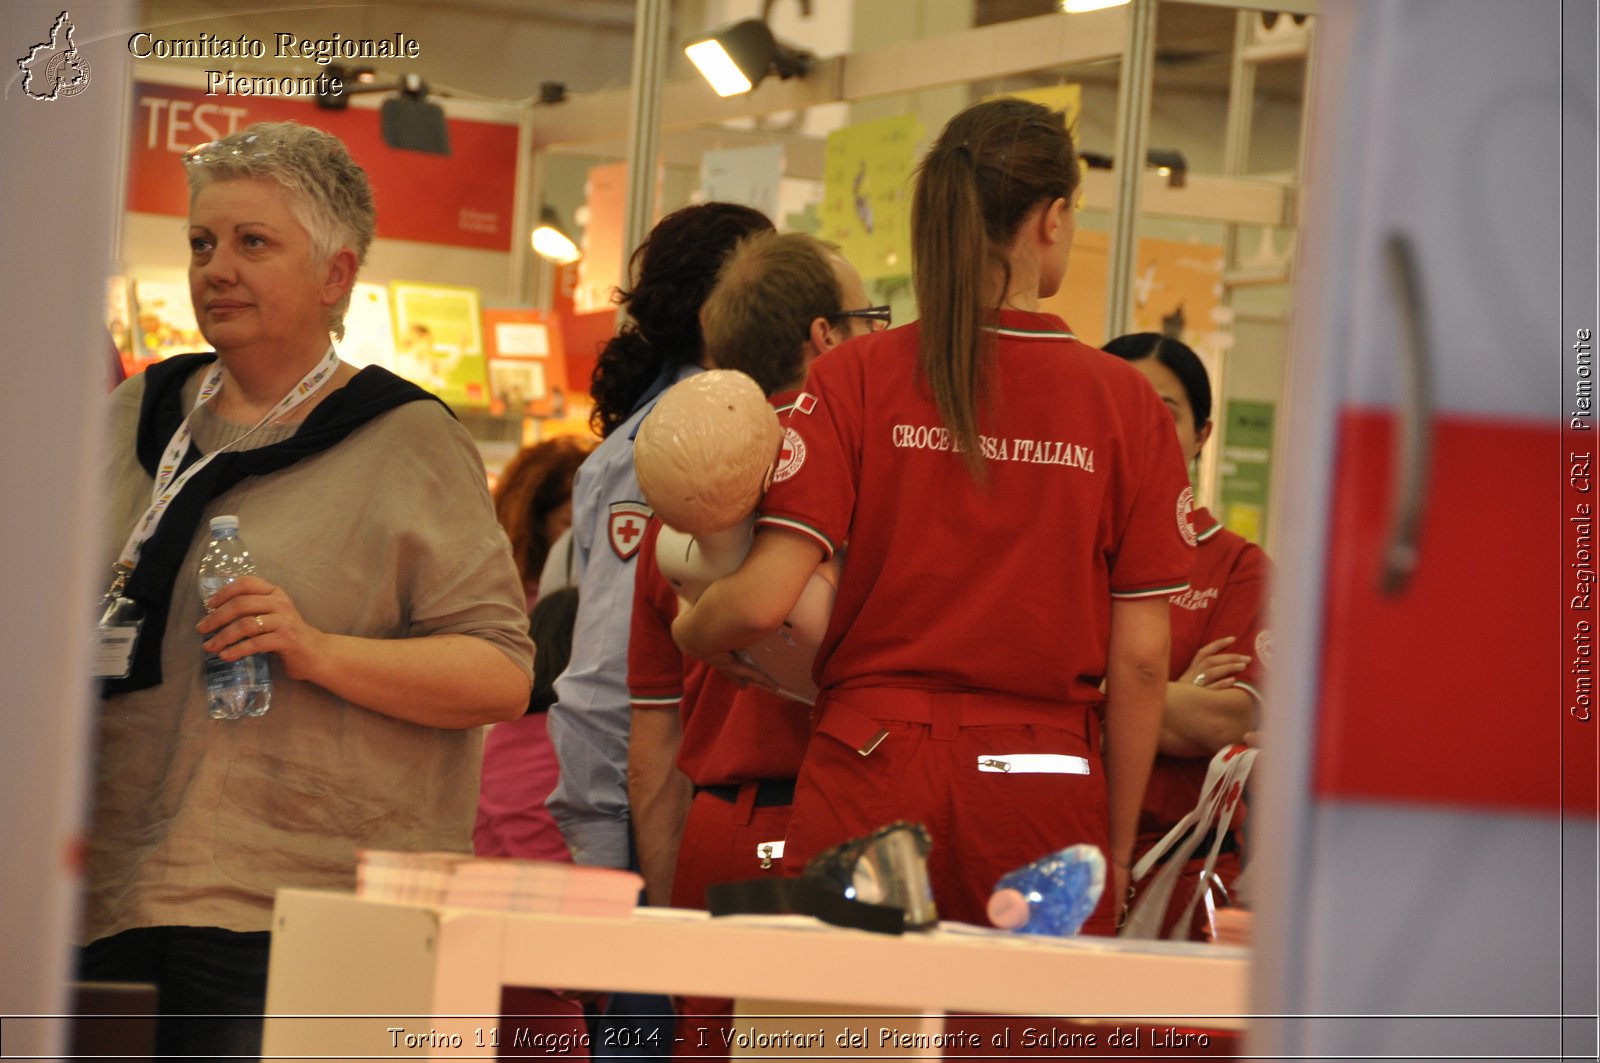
x,y
169,482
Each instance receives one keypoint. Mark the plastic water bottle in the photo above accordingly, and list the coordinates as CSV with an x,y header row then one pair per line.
x,y
233,688
1054,895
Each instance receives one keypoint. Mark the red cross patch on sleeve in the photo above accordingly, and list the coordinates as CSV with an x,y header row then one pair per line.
x,y
791,455
1264,647
626,528
805,402
1185,516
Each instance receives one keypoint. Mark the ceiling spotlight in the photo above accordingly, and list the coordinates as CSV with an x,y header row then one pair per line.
x,y
551,242
735,59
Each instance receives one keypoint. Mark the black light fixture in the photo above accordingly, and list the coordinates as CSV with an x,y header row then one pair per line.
x,y
1270,19
407,120
1165,161
735,59
1169,164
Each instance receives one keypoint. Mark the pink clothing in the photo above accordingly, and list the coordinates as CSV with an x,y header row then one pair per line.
x,y
519,771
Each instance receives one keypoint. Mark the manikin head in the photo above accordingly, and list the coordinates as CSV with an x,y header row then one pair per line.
x,y
704,454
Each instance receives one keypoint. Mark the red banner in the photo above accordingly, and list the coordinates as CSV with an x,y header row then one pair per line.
x,y
1406,713
464,199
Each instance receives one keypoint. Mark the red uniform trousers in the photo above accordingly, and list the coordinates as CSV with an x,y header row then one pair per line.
x,y
722,840
925,769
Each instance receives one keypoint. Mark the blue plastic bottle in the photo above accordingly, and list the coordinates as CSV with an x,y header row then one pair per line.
x,y
234,689
1053,895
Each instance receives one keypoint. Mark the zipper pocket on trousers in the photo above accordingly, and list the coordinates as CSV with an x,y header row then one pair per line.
x,y
1034,763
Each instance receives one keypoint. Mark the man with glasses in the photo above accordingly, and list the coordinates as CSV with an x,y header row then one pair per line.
x,y
711,764
780,301
877,317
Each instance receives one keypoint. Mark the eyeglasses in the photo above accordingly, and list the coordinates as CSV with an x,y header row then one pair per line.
x,y
249,147
877,315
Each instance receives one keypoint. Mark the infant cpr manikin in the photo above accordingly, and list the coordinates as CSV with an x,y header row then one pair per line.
x,y
704,457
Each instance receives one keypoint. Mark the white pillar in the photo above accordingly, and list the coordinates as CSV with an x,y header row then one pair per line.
x,y
60,201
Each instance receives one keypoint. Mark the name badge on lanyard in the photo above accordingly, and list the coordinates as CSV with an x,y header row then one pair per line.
x,y
122,618
117,634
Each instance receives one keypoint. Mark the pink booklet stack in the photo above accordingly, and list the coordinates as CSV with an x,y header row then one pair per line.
x,y
457,880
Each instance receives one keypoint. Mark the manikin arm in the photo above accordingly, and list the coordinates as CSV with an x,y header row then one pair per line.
x,y
751,603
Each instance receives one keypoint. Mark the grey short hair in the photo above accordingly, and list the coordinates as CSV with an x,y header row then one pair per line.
x,y
329,194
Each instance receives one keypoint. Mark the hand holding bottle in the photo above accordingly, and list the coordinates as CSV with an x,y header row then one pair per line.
x,y
240,684
250,616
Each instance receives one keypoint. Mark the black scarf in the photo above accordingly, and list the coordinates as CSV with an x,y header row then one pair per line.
x,y
370,392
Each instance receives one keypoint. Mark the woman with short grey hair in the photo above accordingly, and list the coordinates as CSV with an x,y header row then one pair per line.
x,y
384,598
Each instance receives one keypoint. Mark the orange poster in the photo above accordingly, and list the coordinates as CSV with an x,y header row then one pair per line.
x,y
527,361
1176,288
601,269
1081,302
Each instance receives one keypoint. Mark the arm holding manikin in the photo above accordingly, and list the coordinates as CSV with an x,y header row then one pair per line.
x,y
704,458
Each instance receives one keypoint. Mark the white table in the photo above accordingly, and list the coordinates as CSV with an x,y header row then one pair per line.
x,y
394,981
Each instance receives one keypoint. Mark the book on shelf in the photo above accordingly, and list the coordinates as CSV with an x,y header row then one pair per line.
x,y
459,880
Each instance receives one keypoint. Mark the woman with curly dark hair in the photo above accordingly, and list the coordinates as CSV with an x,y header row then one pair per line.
x,y
672,273
673,270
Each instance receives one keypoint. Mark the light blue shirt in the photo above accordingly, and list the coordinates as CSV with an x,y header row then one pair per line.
x,y
589,721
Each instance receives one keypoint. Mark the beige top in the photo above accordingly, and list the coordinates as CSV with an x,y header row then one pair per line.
x,y
388,534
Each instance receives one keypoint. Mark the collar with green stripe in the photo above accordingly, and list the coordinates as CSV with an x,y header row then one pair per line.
x,y
1028,325
1205,525
784,401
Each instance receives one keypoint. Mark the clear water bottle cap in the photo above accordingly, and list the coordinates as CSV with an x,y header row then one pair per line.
x,y
229,523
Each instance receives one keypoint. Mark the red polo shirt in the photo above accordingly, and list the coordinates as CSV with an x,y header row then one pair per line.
x,y
1227,595
1004,585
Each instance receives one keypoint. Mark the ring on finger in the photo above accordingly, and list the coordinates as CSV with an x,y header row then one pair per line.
x,y
261,623
1199,680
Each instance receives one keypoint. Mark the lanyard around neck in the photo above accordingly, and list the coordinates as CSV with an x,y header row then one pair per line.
x,y
169,481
